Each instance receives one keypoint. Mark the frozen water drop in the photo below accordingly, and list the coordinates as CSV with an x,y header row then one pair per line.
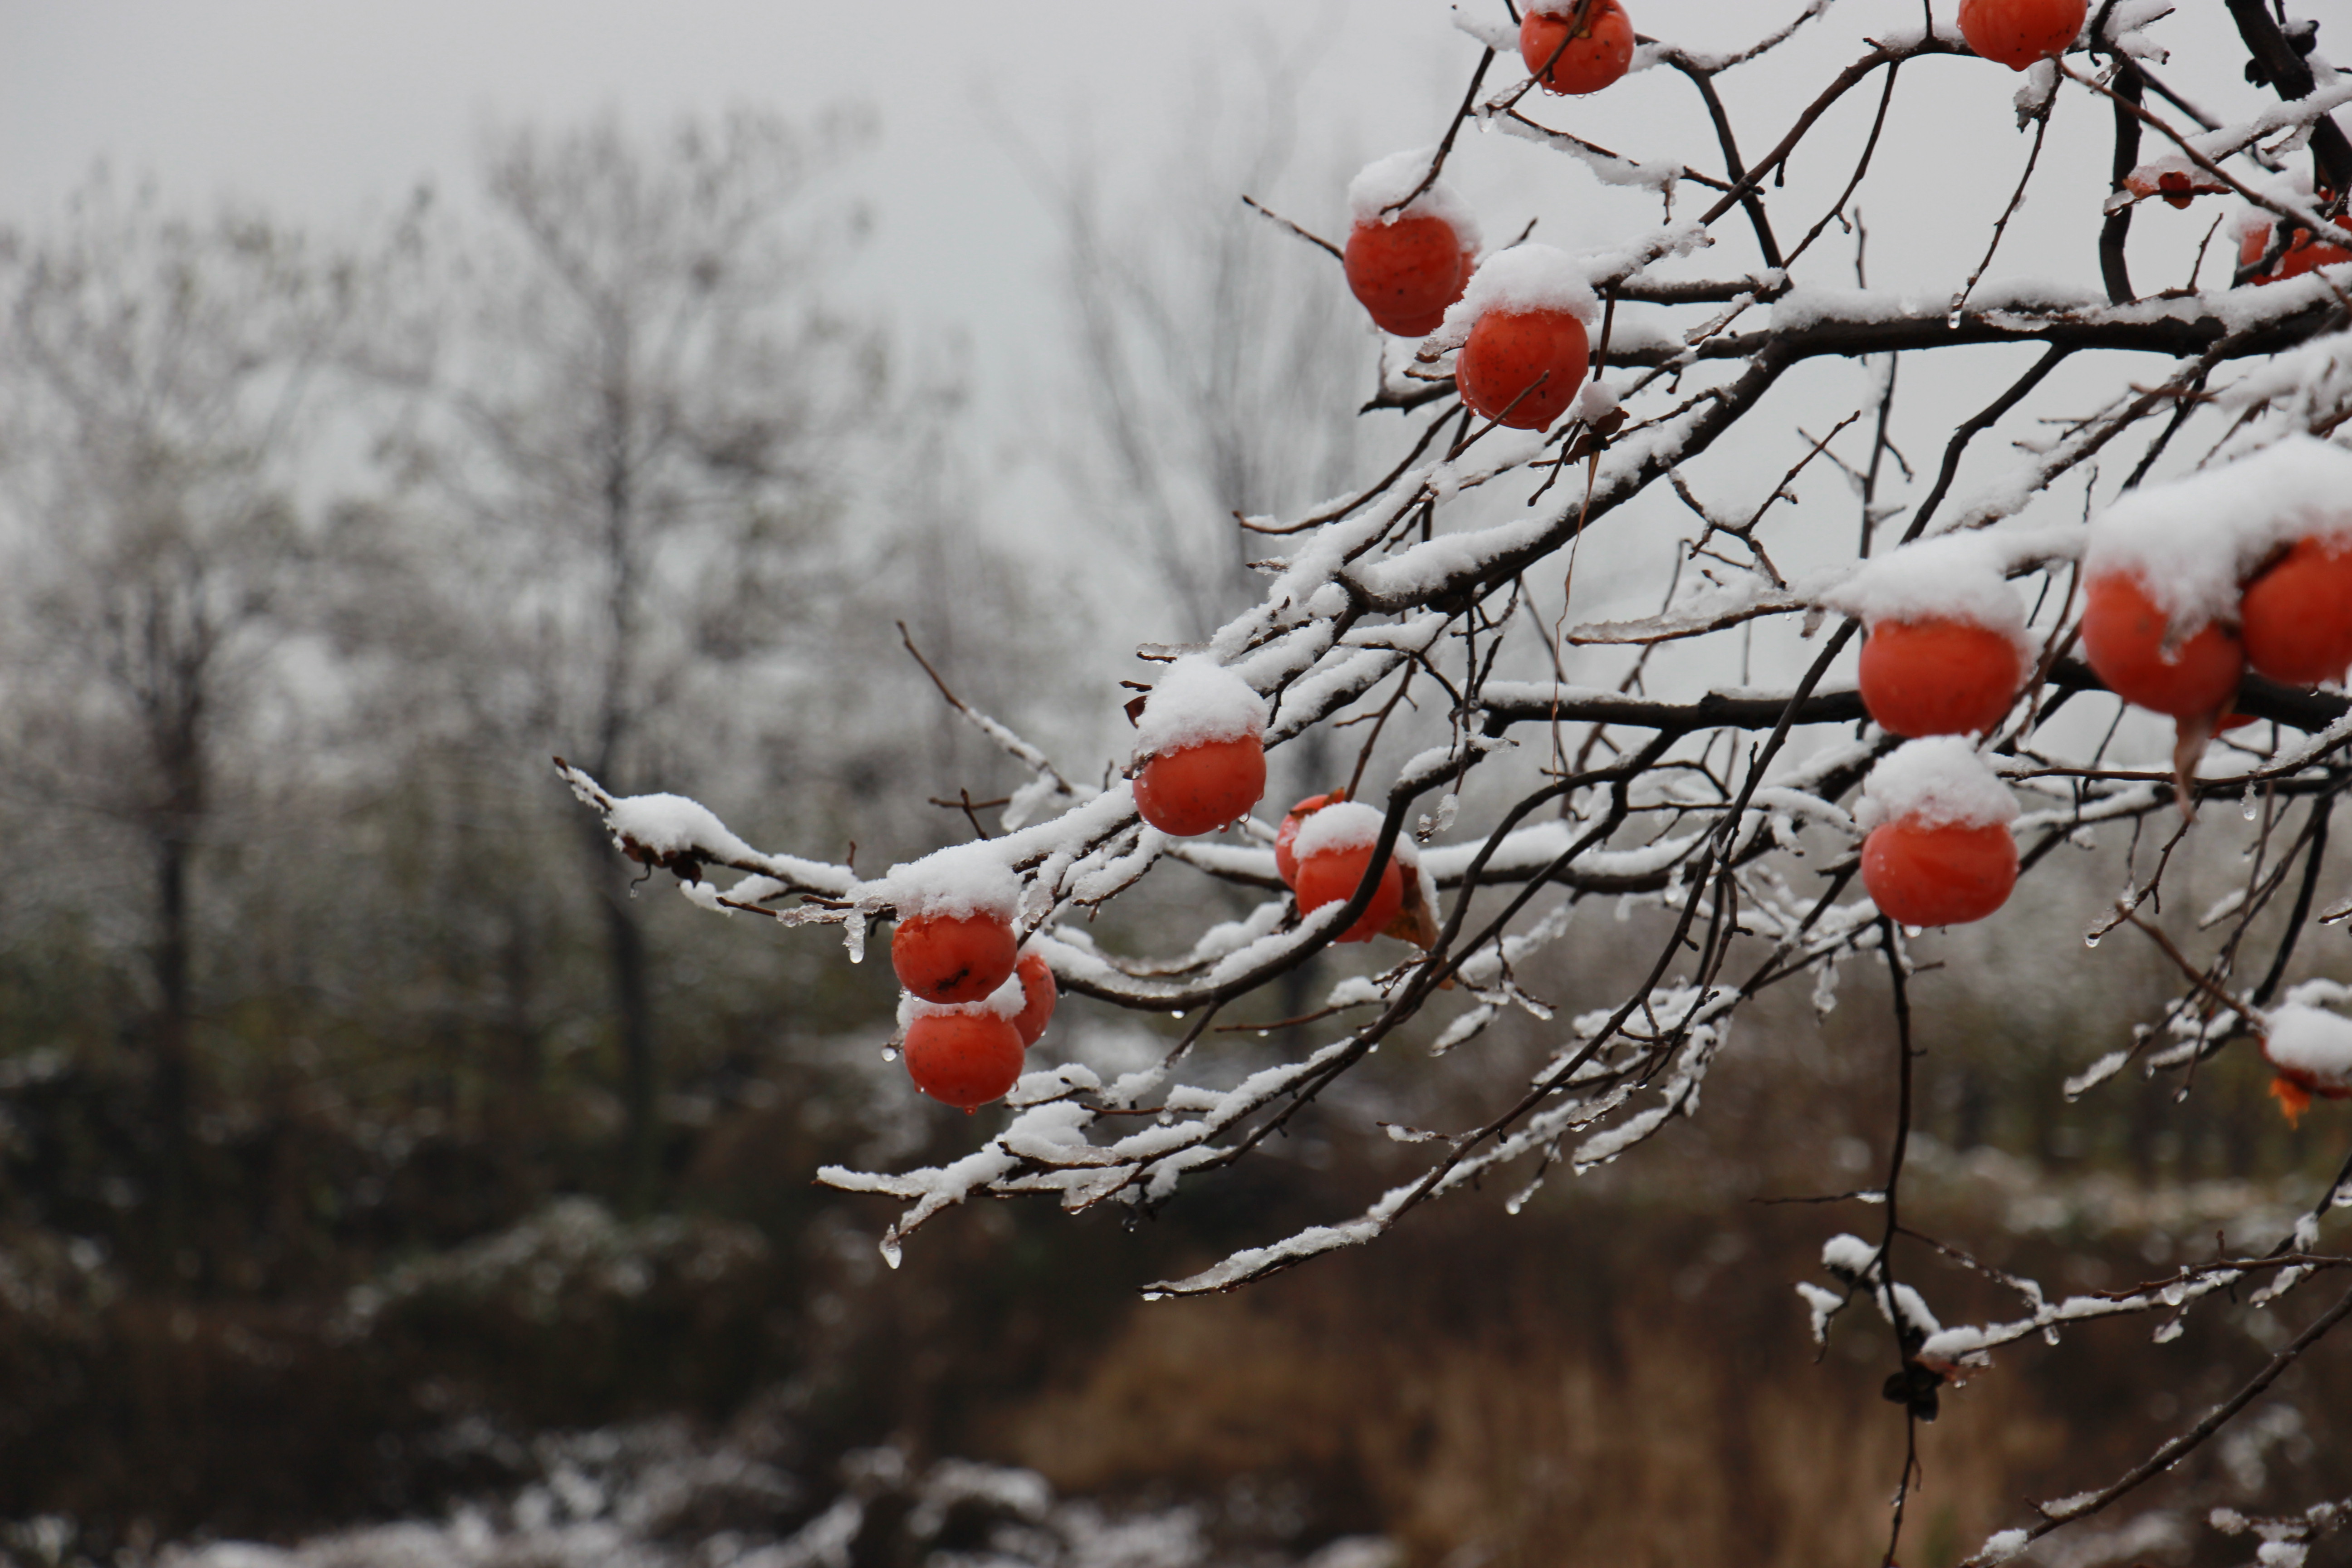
x,y
889,1053
1915,932
2090,938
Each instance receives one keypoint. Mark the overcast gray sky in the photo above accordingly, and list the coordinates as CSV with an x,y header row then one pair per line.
x,y
329,112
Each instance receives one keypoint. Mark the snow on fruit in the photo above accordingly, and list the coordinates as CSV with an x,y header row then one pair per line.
x,y
954,941
1946,652
1406,265
2130,639
1038,996
1576,46
1334,849
1525,344
1285,858
1939,851
2019,32
1200,749
2312,1049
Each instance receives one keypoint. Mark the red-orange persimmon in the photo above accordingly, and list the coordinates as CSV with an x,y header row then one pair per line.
x,y
1580,59
1038,995
950,959
1523,368
965,1060
2124,636
1198,789
2297,617
1937,677
1406,272
2019,32
1331,877
1286,863
1943,875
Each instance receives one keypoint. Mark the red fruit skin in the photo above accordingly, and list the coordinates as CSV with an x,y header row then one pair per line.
x,y
1331,877
2019,32
1038,995
1938,677
1286,863
950,958
2123,638
1508,350
965,1060
2297,617
1406,273
1940,875
1199,789
1589,62
2302,255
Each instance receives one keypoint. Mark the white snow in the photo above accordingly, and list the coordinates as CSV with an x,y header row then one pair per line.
x,y
1938,782
1524,278
1953,577
1351,825
2313,1041
1387,181
1849,1256
1197,702
957,882
2000,1548
1005,1002
2193,542
671,825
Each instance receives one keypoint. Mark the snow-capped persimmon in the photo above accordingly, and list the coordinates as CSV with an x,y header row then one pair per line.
x,y
1332,876
1200,749
1938,677
1940,875
964,1059
950,958
1334,849
1286,863
1406,271
2312,1049
1572,56
2019,32
2125,635
2297,617
1198,789
1523,368
1939,850
1038,995
2304,252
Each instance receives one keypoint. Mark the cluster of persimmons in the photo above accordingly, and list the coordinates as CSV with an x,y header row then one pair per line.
x,y
1522,365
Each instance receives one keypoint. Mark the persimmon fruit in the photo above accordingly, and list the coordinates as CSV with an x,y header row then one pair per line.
x,y
1332,876
1285,863
1938,677
2017,33
950,958
1406,272
1198,789
2124,635
965,1060
1038,995
2297,617
1938,874
1567,57
2304,253
1523,368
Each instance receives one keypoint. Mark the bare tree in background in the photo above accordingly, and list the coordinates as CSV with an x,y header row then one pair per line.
x,y
156,374
631,434
1215,362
